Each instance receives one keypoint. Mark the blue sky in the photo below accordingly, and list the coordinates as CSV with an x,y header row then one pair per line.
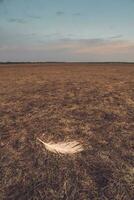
x,y
67,30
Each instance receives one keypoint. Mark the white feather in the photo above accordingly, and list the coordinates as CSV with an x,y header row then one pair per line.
x,y
63,147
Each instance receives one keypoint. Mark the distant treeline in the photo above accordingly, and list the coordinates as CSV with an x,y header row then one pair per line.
x,y
66,62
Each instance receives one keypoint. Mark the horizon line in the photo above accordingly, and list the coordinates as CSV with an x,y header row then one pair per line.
x,y
43,62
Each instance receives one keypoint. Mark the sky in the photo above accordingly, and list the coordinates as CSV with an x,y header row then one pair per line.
x,y
67,30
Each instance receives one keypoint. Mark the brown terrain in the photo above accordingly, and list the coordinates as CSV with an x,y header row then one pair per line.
x,y
90,103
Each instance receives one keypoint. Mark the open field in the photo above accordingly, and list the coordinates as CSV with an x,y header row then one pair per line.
x,y
91,103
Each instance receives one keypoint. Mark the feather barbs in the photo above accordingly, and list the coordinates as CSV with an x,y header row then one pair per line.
x,y
63,147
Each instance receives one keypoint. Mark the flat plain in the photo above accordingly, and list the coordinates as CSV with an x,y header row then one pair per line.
x,y
90,103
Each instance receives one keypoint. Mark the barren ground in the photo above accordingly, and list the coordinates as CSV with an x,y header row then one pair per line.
x,y
91,103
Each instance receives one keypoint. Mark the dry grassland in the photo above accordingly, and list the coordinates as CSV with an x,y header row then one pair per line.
x,y
90,103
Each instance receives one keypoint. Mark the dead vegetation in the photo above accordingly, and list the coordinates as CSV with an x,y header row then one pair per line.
x,y
91,103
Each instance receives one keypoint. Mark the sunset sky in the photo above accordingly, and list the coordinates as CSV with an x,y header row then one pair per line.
x,y
67,30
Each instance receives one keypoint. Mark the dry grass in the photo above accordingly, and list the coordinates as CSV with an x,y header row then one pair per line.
x,y
93,104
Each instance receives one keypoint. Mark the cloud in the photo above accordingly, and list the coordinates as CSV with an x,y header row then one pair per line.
x,y
118,36
34,17
66,49
77,14
17,20
60,13
85,45
100,46
95,46
23,21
